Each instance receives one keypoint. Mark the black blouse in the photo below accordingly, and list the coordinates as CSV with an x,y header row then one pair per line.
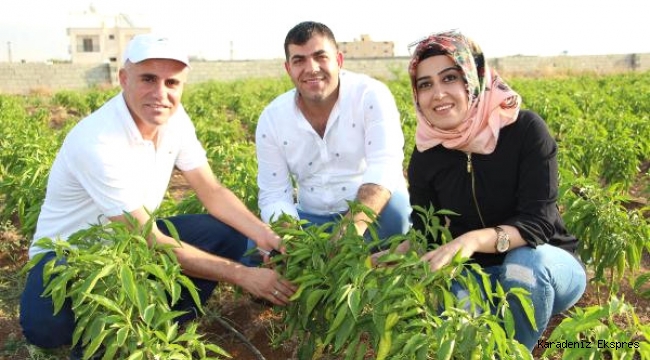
x,y
515,185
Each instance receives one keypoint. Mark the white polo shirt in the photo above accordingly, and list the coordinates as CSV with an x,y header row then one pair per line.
x,y
105,168
363,143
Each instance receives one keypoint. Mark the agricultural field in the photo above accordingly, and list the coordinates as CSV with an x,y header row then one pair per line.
x,y
601,124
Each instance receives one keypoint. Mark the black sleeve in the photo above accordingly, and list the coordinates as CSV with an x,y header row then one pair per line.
x,y
537,191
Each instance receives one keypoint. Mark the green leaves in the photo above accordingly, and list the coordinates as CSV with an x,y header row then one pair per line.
x,y
612,238
615,322
122,291
345,306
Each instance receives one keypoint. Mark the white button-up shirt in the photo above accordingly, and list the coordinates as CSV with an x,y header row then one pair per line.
x,y
363,143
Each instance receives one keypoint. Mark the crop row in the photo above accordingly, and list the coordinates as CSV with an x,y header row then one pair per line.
x,y
602,125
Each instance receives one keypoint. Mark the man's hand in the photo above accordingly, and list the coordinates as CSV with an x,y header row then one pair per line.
x,y
267,256
267,242
266,283
374,197
402,248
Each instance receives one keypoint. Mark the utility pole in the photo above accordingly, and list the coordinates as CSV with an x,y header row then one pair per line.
x,y
9,51
232,50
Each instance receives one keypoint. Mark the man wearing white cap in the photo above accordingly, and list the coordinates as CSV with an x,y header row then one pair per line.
x,y
119,159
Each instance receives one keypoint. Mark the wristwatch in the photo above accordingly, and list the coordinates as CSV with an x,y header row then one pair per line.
x,y
503,240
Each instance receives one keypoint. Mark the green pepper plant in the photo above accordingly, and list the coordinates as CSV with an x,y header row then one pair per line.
x,y
122,290
394,308
610,331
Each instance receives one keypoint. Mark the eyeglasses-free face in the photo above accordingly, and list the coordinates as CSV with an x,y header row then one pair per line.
x,y
441,92
314,69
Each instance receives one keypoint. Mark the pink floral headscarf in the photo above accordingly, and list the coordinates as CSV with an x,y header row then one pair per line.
x,y
492,104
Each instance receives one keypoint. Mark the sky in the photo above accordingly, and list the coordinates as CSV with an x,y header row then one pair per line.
x,y
35,30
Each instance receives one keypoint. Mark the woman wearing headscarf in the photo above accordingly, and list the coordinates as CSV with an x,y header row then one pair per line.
x,y
481,156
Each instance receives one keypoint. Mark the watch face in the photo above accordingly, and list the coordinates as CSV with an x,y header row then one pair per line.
x,y
503,244
503,240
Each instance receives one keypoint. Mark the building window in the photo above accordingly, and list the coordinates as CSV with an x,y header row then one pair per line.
x,y
111,37
88,44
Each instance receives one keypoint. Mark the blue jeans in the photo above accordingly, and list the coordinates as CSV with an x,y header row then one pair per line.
x,y
44,329
394,219
554,278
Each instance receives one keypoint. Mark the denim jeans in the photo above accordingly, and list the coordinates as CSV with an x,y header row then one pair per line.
x,y
394,219
44,329
554,278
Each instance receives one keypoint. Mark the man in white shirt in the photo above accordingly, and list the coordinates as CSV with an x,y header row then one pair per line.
x,y
119,160
337,135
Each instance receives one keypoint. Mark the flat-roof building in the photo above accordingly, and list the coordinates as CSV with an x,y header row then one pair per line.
x,y
99,38
366,48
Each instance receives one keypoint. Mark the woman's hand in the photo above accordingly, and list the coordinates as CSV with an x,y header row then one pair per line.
x,y
466,244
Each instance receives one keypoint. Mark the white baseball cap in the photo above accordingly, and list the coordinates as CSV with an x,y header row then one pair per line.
x,y
152,46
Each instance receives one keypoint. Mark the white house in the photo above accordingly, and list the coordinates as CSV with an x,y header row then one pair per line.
x,y
99,38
